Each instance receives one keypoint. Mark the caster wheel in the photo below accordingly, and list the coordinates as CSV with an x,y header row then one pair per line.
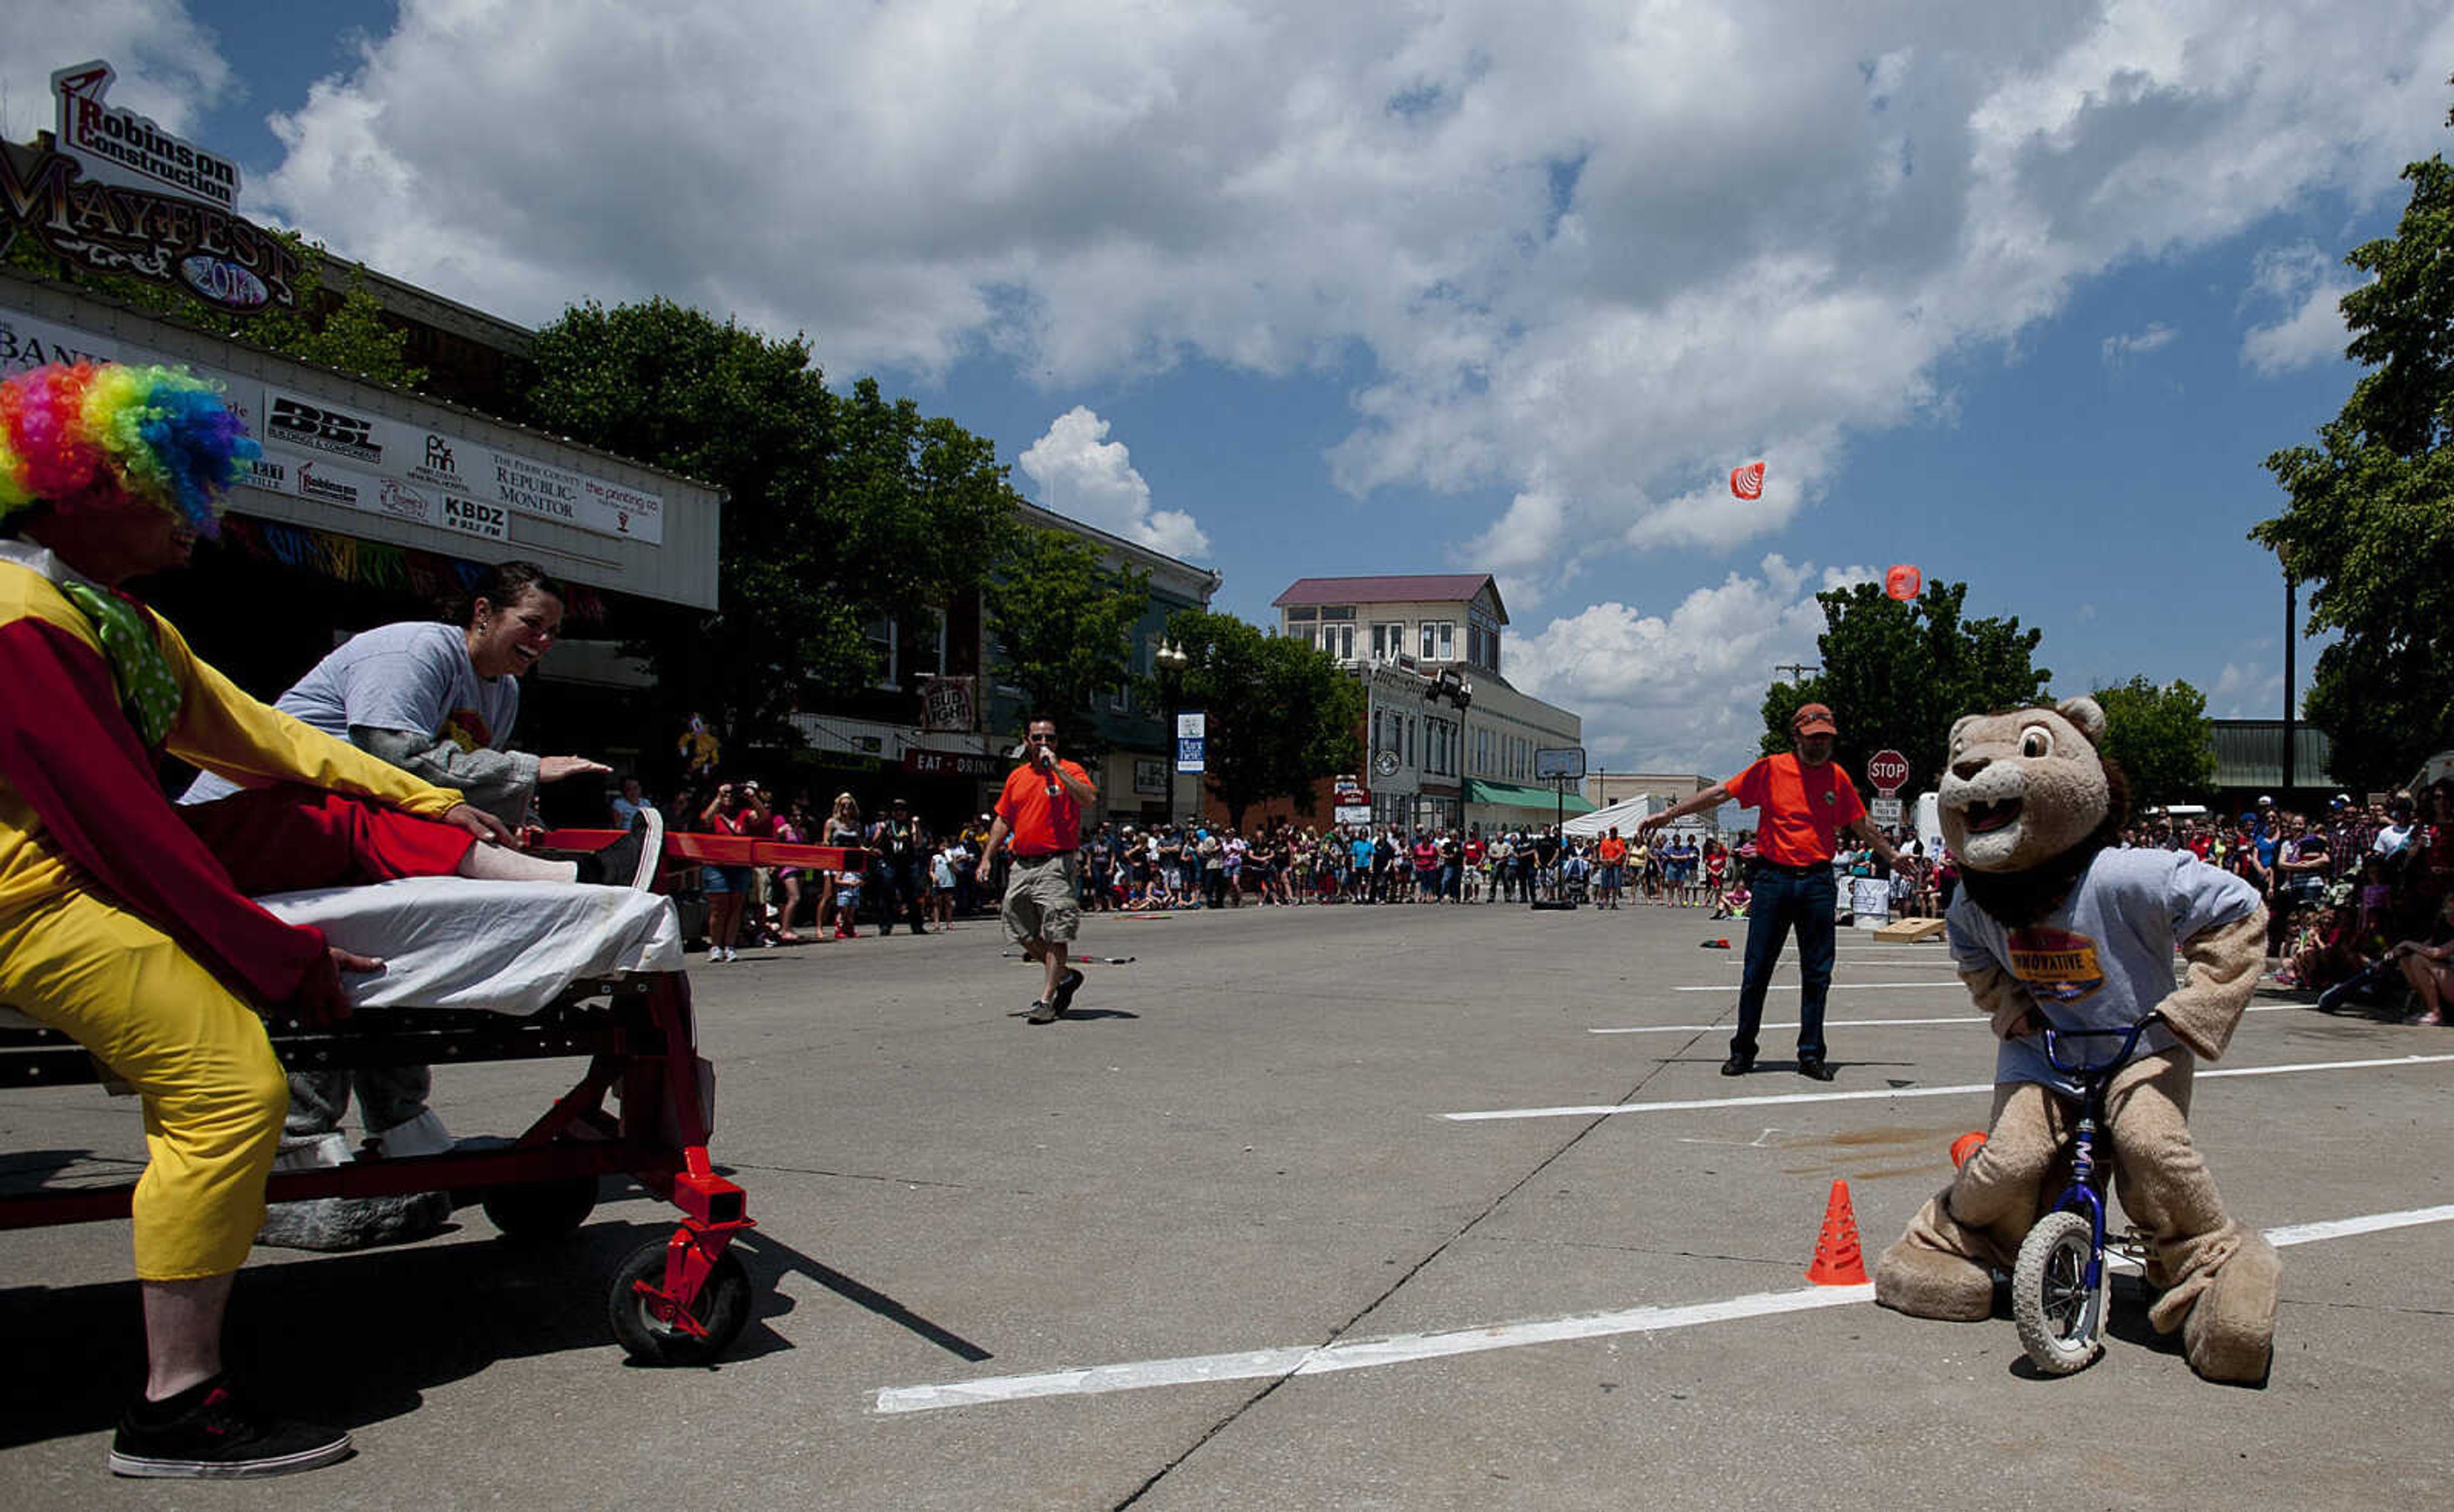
x,y
722,1307
2061,1317
535,1211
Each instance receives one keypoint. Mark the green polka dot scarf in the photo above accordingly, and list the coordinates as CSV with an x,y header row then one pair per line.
x,y
146,685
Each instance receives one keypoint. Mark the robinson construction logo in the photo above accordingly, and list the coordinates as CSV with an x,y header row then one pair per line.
x,y
106,134
325,489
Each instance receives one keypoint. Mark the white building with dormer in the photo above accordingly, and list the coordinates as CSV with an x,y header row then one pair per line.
x,y
1449,742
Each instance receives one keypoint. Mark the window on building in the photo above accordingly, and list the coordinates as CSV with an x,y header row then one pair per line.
x,y
882,642
1338,641
1303,615
1344,612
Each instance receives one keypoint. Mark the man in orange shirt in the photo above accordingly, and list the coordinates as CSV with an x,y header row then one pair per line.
x,y
1612,855
1806,802
1040,811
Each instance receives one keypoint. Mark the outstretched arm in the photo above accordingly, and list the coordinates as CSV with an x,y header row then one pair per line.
x,y
1712,797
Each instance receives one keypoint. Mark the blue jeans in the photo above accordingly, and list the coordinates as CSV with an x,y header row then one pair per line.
x,y
1781,900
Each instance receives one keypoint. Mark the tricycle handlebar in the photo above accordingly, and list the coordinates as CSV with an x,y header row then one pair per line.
x,y
2129,1037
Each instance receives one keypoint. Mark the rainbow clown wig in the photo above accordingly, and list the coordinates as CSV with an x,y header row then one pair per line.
x,y
153,433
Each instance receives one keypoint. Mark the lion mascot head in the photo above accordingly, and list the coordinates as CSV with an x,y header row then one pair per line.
x,y
2028,800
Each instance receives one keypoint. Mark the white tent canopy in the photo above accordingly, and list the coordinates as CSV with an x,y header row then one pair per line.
x,y
1621,814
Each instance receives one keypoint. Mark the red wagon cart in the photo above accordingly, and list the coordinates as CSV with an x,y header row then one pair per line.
x,y
643,1108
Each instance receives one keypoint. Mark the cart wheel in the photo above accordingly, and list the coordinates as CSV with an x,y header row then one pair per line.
x,y
722,1307
2060,1316
534,1211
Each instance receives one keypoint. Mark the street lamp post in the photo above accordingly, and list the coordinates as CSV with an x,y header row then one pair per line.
x,y
1172,660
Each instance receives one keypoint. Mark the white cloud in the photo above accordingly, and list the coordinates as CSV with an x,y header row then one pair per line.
x,y
2308,287
2119,349
1592,257
1084,474
166,65
2246,691
1680,692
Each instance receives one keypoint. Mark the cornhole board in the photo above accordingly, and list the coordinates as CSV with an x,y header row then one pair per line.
x,y
1910,929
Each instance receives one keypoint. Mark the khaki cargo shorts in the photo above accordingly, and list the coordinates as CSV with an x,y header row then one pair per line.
x,y
1039,901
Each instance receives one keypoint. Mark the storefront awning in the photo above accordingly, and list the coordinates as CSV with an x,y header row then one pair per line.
x,y
1511,794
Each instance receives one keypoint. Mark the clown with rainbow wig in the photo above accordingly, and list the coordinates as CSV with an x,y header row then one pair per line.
x,y
121,924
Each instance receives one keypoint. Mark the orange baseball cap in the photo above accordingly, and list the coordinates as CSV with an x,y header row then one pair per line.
x,y
1812,719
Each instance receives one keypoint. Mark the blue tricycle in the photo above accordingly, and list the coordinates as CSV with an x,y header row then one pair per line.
x,y
2058,1288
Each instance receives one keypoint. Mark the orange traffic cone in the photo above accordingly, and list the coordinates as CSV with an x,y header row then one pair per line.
x,y
1965,1146
1837,1262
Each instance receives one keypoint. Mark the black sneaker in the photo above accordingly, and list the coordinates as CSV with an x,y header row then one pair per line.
x,y
1065,989
1041,1013
1738,1065
1813,1068
204,1433
631,860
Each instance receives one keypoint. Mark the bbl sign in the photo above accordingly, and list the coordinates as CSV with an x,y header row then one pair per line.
x,y
1887,770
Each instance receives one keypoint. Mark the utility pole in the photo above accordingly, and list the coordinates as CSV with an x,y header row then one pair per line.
x,y
1797,670
2291,634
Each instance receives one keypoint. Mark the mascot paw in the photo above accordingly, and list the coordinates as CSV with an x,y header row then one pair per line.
x,y
1925,1282
2230,1333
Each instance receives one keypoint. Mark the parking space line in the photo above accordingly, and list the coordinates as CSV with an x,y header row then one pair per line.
x,y
1370,1354
1697,1104
1858,1023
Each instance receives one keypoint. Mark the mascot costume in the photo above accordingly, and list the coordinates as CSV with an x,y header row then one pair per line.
x,y
2052,926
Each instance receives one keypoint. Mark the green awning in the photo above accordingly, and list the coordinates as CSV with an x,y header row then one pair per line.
x,y
1511,794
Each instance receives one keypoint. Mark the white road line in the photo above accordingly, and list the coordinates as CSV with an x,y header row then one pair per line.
x,y
1837,986
1790,1023
2371,1224
1694,1104
1859,1023
1369,1354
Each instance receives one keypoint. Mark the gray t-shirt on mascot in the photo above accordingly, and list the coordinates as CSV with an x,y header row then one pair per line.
x,y
412,676
2105,958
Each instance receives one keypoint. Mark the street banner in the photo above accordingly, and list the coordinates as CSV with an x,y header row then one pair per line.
x,y
1192,740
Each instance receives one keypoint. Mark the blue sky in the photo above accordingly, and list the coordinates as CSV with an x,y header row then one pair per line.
x,y
2022,300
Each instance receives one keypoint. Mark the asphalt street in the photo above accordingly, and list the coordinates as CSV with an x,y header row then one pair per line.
x,y
1220,1239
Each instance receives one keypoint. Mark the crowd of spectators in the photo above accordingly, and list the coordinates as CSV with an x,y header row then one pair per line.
x,y
2357,895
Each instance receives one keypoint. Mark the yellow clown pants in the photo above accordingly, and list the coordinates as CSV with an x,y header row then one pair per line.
x,y
213,1092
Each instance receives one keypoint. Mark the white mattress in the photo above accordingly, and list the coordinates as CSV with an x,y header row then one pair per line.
x,y
510,947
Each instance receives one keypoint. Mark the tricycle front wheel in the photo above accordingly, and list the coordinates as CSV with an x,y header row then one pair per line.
x,y
2061,1317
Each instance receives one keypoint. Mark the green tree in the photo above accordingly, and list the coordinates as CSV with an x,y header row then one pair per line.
x,y
839,510
1281,716
1897,675
2161,739
1064,620
345,329
2369,524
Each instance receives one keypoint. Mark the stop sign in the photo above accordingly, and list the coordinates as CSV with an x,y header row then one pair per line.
x,y
1887,770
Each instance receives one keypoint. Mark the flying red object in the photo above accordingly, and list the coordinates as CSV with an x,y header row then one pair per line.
x,y
1902,582
1747,482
